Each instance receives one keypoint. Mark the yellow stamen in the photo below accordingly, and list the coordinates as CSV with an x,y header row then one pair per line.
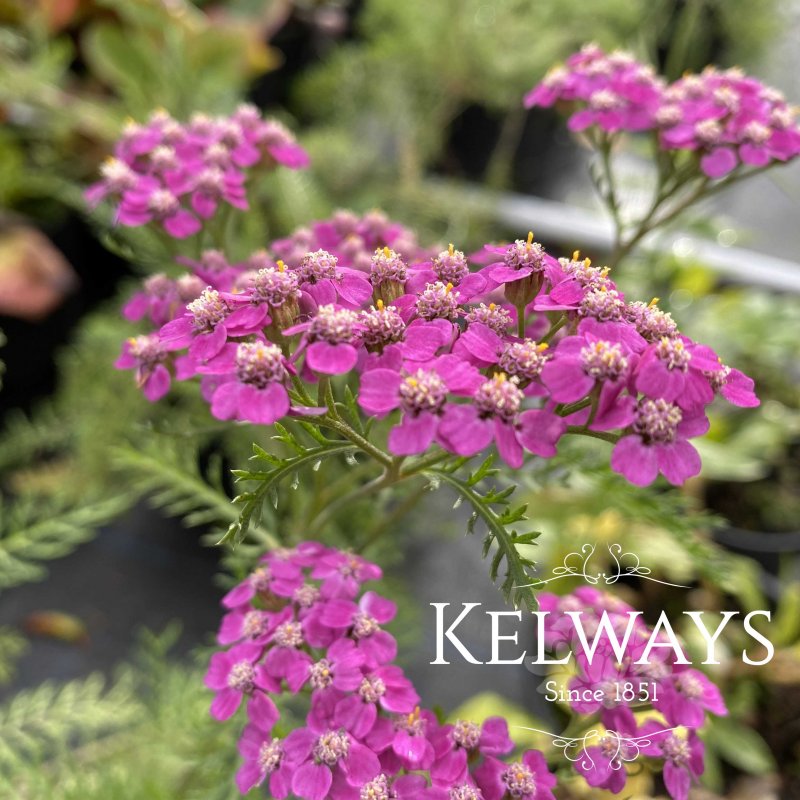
x,y
576,255
281,266
605,271
530,239
412,382
653,302
500,377
387,252
132,340
379,304
542,347
450,249
587,262
448,288
492,306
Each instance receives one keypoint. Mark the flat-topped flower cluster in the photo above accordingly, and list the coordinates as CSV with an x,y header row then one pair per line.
x,y
512,346
301,624
729,119
177,175
617,690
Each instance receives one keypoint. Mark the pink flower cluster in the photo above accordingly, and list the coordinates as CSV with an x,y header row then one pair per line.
x,y
516,352
177,175
726,117
614,689
300,625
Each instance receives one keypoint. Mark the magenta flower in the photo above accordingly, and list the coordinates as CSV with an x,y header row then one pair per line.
x,y
148,202
466,790
524,266
264,758
422,396
448,267
687,696
202,327
339,670
603,315
147,356
277,577
233,674
658,443
403,787
386,688
212,186
603,765
387,274
327,283
495,415
616,91
246,623
683,758
285,660
464,741
736,387
676,370
323,758
730,119
116,178
580,363
650,321
330,340
276,139
527,779
569,285
161,297
362,623
404,741
390,342
343,573
256,389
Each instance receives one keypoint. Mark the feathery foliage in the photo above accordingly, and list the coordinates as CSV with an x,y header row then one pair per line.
x,y
493,509
33,530
40,724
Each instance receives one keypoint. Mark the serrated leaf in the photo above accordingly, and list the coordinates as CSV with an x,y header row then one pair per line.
x,y
516,583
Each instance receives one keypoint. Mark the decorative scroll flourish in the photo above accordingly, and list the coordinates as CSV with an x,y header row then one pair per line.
x,y
615,747
624,564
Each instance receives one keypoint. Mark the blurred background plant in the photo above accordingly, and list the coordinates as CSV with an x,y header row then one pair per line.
x,y
402,106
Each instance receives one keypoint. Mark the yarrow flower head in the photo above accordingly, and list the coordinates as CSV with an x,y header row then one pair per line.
x,y
454,367
730,119
388,274
177,174
611,91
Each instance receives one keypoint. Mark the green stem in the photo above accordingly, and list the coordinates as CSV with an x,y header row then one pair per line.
x,y
554,328
521,321
364,490
397,513
582,430
357,439
423,463
571,408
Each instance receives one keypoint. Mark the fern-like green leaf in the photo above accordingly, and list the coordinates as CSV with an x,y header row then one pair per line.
x,y
171,477
493,509
33,530
252,500
38,724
